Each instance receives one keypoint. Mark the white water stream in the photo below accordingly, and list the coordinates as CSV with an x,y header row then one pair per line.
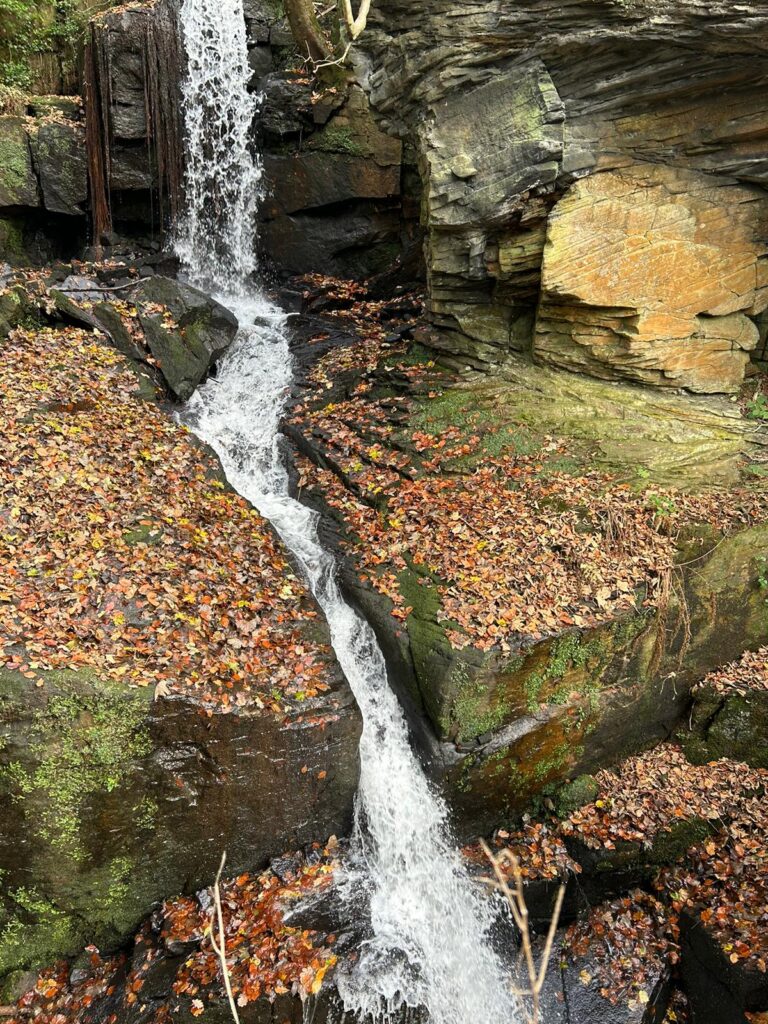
x,y
430,923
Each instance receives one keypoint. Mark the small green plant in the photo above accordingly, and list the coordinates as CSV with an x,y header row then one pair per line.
x,y
762,573
757,408
662,505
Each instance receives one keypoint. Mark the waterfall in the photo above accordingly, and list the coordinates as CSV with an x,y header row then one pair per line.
x,y
429,946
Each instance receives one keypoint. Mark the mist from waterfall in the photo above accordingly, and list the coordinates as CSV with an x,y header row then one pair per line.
x,y
429,945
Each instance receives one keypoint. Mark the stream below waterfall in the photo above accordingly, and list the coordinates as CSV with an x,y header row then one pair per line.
x,y
429,946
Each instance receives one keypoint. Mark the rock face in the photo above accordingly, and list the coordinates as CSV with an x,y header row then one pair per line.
x,y
646,275
333,186
43,185
112,801
510,106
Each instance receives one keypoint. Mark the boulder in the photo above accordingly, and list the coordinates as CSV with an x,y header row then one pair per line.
x,y
651,274
18,184
58,152
190,338
719,990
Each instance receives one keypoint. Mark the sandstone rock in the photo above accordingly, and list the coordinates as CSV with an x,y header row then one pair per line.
x,y
203,330
626,701
506,728
649,274
681,85
483,153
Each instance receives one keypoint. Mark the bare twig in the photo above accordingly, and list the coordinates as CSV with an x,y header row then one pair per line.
x,y
220,948
314,66
517,905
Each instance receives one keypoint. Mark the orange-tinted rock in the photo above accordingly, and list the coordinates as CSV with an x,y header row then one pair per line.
x,y
650,273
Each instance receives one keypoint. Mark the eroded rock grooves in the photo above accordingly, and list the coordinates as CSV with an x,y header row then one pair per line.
x,y
402,865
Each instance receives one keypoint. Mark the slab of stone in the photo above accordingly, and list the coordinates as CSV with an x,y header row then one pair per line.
x,y
58,151
18,185
650,274
203,331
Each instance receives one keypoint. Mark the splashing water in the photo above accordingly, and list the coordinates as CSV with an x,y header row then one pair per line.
x,y
429,946
215,237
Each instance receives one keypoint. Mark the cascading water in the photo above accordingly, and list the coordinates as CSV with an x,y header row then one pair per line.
x,y
429,945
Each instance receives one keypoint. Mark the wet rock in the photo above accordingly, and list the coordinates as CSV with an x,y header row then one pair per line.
x,y
720,992
187,346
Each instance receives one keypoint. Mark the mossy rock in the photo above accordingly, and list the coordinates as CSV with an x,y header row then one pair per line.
x,y
202,330
113,801
59,154
73,751
733,725
12,246
14,308
519,728
18,185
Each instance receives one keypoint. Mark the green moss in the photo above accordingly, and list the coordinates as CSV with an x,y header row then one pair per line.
x,y
85,741
573,795
12,241
562,755
337,139
150,534
568,652
471,713
427,636
572,653
13,162
35,932
734,725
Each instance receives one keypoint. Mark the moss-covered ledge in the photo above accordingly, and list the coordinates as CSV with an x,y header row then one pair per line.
x,y
112,801
546,617
576,702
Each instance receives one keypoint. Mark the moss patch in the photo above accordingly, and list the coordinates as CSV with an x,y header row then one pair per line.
x,y
87,739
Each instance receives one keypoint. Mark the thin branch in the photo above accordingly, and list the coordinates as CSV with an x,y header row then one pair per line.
x,y
220,948
316,65
517,905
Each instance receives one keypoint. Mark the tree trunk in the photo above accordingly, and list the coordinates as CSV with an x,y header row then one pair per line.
x,y
306,30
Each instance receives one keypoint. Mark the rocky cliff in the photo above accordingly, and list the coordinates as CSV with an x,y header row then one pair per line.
x,y
593,178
